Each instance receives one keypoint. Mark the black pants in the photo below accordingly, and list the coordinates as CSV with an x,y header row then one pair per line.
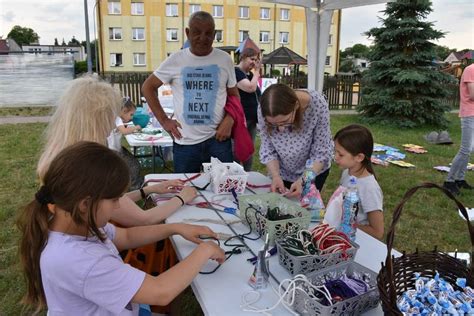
x,y
319,181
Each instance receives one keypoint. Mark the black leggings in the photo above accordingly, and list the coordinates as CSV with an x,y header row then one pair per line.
x,y
319,181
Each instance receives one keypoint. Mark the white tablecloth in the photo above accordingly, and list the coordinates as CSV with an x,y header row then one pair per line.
x,y
220,293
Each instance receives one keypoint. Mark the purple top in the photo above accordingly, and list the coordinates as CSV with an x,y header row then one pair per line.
x,y
87,277
293,147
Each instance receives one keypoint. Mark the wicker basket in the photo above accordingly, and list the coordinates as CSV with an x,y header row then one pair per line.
x,y
397,274
306,305
275,229
310,263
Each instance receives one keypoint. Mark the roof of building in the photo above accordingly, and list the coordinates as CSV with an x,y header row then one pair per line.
x,y
283,56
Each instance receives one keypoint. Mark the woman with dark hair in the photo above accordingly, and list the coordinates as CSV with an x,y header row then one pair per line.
x,y
294,127
247,74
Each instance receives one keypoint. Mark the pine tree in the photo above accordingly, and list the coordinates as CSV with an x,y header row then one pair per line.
x,y
402,86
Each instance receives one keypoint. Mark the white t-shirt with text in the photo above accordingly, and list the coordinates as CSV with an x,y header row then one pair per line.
x,y
199,85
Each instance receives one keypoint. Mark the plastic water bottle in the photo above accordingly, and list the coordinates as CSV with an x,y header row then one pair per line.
x,y
145,105
350,209
310,196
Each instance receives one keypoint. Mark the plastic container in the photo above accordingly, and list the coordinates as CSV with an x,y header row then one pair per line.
x,y
309,306
275,229
141,118
237,180
350,208
310,263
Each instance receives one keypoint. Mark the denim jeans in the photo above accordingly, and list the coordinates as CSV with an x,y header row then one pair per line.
x,y
252,128
189,158
460,161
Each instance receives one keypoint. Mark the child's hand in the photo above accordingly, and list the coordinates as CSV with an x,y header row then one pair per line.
x,y
188,194
194,233
215,252
170,186
137,128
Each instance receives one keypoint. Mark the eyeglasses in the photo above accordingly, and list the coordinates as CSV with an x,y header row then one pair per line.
x,y
287,123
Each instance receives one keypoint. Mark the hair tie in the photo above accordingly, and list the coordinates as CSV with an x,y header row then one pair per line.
x,y
43,196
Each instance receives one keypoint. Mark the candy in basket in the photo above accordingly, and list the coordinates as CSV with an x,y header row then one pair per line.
x,y
400,277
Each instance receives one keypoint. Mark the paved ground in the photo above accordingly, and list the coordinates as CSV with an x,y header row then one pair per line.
x,y
23,119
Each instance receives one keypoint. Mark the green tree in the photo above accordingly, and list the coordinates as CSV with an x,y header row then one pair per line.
x,y
56,42
356,51
443,51
74,41
23,35
401,86
63,43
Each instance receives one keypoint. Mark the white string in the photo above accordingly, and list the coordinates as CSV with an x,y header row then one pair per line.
x,y
287,297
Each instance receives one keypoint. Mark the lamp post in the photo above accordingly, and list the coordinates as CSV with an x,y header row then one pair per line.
x,y
88,42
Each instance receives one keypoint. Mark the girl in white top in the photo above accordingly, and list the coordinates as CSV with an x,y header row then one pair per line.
x,y
354,146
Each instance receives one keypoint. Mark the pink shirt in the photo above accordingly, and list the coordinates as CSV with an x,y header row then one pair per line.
x,y
466,106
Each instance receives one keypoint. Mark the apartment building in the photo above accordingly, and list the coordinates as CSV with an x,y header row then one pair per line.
x,y
137,35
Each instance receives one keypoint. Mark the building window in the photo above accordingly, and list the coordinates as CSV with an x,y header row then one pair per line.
x,y
284,36
243,12
264,37
194,8
171,9
115,7
285,14
265,13
218,36
217,11
243,35
139,59
115,59
138,33
171,35
115,33
138,8
328,61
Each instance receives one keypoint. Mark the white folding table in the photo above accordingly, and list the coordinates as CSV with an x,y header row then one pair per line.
x,y
220,293
156,142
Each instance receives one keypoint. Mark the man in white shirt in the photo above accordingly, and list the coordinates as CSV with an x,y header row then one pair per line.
x,y
201,77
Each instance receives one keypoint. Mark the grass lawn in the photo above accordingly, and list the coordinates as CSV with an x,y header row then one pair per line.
x,y
26,111
428,219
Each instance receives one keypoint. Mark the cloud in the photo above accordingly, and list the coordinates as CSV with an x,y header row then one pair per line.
x,y
455,17
8,16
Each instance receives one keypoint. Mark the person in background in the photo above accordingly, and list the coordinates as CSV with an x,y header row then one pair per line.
x,y
354,145
456,176
294,127
69,251
247,74
86,111
115,141
200,77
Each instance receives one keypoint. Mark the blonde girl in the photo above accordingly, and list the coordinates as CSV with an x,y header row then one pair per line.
x,y
86,111
70,252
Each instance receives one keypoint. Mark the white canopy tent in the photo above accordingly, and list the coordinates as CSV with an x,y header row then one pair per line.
x,y
318,23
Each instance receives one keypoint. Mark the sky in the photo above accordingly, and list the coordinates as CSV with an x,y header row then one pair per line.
x,y
65,18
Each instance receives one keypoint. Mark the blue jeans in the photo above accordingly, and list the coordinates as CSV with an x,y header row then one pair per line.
x,y
460,161
189,158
